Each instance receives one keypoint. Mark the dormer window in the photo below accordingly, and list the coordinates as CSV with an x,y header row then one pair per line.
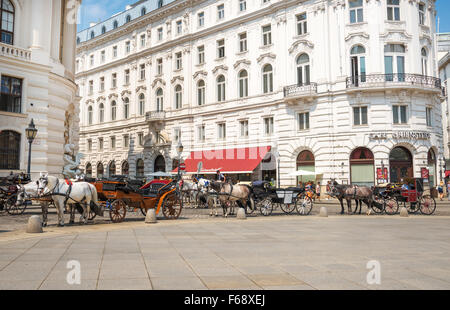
x,y
128,18
115,24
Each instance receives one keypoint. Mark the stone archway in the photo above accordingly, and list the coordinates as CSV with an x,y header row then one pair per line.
x,y
362,169
400,164
306,162
160,164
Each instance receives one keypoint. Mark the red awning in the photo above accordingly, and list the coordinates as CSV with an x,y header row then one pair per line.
x,y
240,160
447,173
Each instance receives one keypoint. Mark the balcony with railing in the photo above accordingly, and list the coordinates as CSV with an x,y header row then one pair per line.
x,y
155,116
15,52
299,91
397,80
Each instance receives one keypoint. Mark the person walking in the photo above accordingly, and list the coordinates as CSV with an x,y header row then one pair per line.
x,y
448,190
440,189
328,190
318,191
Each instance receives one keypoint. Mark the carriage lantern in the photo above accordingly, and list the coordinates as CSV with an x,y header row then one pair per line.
x,y
31,133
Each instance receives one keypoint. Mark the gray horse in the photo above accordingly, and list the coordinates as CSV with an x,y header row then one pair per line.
x,y
230,194
352,192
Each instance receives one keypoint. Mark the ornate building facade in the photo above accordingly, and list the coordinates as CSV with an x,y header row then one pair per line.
x,y
334,89
37,65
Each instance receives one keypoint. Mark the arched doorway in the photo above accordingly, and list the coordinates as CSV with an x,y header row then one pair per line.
x,y
401,164
269,167
112,169
362,170
140,168
125,168
432,168
99,171
160,164
306,162
89,170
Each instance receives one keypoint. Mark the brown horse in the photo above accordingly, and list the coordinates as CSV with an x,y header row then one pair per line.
x,y
229,194
352,192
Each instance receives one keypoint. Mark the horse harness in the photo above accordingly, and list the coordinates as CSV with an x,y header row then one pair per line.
x,y
66,195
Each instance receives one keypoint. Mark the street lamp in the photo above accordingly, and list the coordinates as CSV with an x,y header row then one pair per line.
x,y
31,133
277,154
180,148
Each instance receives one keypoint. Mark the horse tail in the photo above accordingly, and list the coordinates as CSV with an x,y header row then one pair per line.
x,y
94,195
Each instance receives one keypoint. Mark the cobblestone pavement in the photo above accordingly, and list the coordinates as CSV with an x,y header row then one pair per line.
x,y
278,252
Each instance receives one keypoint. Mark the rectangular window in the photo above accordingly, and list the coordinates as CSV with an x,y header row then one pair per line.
x,y
127,76
91,87
242,5
220,11
160,34
114,80
142,71
393,10
126,141
89,145
421,14
303,121
127,47
177,134
222,131
268,126
11,92
356,11
302,26
179,27
102,56
92,60
243,129
141,138
428,115
159,62
100,144
143,40
267,35
399,114
102,83
113,143
201,19
221,48
201,133
360,116
114,51
201,54
243,42
178,61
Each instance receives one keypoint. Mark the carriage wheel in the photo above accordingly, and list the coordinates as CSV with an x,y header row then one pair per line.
x,y
118,211
14,209
427,205
378,205
304,205
172,206
412,208
287,208
266,207
391,206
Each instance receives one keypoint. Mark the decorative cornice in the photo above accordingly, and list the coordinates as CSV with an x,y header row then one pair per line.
x,y
125,92
357,34
304,42
141,87
101,98
242,61
158,80
178,77
221,67
112,95
268,55
202,72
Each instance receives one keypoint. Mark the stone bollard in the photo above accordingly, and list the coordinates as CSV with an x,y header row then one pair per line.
x,y
323,212
34,225
241,214
404,212
150,218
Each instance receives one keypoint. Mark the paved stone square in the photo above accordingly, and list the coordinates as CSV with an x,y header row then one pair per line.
x,y
291,252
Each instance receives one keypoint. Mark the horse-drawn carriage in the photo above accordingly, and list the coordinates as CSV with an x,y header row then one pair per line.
x,y
412,197
9,192
118,195
288,199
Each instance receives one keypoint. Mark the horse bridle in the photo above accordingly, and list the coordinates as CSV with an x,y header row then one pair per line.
x,y
41,190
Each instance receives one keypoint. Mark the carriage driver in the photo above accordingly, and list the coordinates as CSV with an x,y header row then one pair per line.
x,y
219,176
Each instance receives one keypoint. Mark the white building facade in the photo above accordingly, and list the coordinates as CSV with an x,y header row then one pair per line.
x,y
37,62
444,74
343,89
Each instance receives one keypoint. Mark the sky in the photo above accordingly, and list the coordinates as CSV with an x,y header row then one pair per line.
x,y
99,10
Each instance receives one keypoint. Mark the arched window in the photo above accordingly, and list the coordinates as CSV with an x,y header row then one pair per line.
x,y
140,168
160,164
113,110
9,150
7,27
243,84
90,115
201,92
358,64
141,104
115,24
424,62
103,29
92,34
159,100
220,88
303,70
125,168
101,113
128,18
160,3
306,162
178,97
362,169
100,171
400,164
78,40
394,62
143,11
126,108
88,171
112,169
267,79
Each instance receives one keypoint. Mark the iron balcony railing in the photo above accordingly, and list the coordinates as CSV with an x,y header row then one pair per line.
x,y
300,90
155,116
382,80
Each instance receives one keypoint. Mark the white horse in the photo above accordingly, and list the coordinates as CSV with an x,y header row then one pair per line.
x,y
29,191
190,189
81,193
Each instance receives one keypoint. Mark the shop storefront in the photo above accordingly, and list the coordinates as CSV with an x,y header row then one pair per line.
x,y
306,162
400,164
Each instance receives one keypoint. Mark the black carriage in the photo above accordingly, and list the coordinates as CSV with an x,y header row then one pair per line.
x,y
412,197
267,198
9,191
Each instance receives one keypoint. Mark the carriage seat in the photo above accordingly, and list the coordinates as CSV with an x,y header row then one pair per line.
x,y
152,191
